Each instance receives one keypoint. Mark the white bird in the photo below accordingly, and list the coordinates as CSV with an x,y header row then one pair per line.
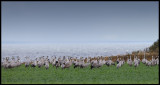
x,y
130,62
85,64
144,59
119,64
27,62
39,62
67,64
157,60
34,64
138,60
95,64
153,62
46,64
148,63
136,63
54,62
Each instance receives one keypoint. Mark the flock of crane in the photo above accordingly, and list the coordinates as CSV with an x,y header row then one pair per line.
x,y
81,62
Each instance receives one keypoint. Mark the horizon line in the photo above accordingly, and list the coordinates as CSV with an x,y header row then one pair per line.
x,y
55,42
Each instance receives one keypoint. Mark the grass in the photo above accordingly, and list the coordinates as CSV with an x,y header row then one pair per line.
x,y
103,75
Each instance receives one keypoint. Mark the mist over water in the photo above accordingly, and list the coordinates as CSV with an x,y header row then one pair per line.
x,y
74,50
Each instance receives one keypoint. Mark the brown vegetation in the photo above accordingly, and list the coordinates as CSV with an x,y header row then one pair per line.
x,y
153,50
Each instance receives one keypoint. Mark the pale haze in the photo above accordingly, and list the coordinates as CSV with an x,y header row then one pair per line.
x,y
53,22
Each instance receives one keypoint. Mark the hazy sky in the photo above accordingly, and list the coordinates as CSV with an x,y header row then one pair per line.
x,y
42,22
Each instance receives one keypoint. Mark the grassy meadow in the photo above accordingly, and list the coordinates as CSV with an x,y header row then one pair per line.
x,y
103,75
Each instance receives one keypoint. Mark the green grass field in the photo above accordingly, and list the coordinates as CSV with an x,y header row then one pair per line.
x,y
103,75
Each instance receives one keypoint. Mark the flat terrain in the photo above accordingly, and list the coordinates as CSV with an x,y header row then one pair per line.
x,y
103,75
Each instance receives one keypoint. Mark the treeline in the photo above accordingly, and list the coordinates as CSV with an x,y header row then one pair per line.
x,y
154,47
153,50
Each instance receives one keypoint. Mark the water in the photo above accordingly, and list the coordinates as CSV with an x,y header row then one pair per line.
x,y
74,50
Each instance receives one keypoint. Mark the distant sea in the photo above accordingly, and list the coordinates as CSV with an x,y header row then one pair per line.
x,y
71,49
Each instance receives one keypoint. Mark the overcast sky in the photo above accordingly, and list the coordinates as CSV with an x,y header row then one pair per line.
x,y
49,22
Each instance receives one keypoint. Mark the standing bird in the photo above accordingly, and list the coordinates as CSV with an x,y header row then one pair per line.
x,y
144,59
34,64
46,64
39,62
148,63
54,62
27,62
95,64
117,60
67,64
157,60
119,64
136,63
153,62
130,61
138,60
